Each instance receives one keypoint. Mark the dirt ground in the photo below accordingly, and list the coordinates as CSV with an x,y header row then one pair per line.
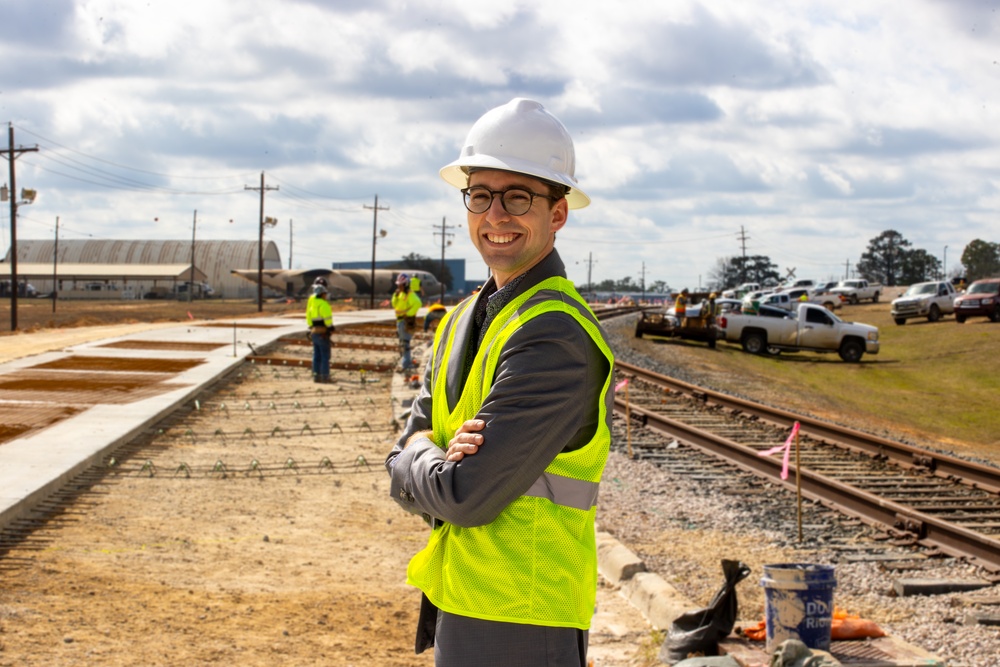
x,y
253,528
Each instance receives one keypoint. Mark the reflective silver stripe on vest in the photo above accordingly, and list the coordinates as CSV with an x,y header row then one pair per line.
x,y
566,491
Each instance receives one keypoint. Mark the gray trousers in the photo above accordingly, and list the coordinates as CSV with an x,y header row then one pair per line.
x,y
461,641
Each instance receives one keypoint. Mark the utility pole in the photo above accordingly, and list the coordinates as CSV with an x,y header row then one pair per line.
x,y
743,244
194,225
590,266
847,268
289,244
260,241
376,209
643,274
11,155
444,242
55,258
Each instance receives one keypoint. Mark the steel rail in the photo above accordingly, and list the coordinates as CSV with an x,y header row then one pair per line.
x,y
887,515
905,456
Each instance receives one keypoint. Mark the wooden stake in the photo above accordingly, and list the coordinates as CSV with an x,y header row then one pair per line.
x,y
628,423
798,484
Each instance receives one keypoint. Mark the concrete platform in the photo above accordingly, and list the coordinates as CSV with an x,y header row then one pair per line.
x,y
63,411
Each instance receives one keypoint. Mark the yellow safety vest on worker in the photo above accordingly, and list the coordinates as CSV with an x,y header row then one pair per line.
x,y
406,304
318,309
536,563
415,283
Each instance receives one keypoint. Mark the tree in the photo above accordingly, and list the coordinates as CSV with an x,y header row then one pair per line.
x,y
730,271
882,262
918,265
433,266
658,287
981,259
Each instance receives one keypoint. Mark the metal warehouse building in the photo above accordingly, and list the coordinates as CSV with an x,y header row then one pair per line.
x,y
215,259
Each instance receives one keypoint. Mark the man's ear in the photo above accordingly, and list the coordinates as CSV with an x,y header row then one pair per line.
x,y
560,213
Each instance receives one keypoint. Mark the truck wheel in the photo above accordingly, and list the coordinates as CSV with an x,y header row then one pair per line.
x,y
773,351
961,319
935,313
754,343
875,298
995,315
711,343
638,333
851,351
853,299
900,320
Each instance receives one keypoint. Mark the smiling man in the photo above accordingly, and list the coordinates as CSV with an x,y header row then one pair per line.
x,y
507,440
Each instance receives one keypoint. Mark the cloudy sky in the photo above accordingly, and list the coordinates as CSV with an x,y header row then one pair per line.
x,y
797,129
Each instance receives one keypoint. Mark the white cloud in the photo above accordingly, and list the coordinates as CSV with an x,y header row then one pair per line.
x,y
810,126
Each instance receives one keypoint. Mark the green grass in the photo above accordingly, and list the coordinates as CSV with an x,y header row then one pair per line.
x,y
938,381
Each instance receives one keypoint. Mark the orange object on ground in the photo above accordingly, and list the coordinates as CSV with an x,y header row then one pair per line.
x,y
757,633
845,626
852,626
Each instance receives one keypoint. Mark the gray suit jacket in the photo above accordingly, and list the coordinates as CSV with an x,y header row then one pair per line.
x,y
544,400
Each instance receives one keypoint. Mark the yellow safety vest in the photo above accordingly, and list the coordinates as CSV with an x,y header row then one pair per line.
x,y
406,304
318,309
536,563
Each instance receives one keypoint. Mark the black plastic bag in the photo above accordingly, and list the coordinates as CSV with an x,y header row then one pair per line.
x,y
700,631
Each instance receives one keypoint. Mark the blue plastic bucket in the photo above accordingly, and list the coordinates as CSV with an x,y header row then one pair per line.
x,y
798,603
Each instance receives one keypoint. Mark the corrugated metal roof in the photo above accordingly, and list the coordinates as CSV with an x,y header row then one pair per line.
x,y
216,258
76,271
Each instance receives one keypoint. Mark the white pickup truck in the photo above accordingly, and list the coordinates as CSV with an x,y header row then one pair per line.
x,y
810,327
741,290
930,300
858,290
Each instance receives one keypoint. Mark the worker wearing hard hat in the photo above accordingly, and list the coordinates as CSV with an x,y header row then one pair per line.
x,y
508,437
319,319
406,304
415,286
434,314
680,304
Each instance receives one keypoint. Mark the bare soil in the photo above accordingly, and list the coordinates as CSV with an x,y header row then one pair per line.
x,y
251,528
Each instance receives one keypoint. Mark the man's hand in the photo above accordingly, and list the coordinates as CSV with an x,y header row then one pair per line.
x,y
466,441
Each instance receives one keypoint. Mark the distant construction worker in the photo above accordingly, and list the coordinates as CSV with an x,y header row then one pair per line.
x,y
406,304
434,315
680,305
415,286
319,319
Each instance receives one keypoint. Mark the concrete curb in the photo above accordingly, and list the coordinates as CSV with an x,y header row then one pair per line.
x,y
657,600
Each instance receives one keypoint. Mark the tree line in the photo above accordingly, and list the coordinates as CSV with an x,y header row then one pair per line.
x,y
890,259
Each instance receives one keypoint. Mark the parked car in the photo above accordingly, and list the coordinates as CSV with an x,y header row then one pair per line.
x,y
982,299
828,300
741,290
858,290
930,300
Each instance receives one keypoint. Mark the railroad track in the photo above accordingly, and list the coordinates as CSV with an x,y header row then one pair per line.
x,y
933,499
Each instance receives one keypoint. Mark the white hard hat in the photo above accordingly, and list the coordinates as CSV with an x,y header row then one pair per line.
x,y
522,137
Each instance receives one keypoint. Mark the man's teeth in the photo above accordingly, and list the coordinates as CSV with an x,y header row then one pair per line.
x,y
500,238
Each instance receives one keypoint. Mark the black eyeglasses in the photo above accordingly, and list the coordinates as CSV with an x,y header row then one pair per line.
x,y
515,201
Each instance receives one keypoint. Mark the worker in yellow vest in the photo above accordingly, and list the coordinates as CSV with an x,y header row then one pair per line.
x,y
680,305
406,304
319,319
507,439
415,286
